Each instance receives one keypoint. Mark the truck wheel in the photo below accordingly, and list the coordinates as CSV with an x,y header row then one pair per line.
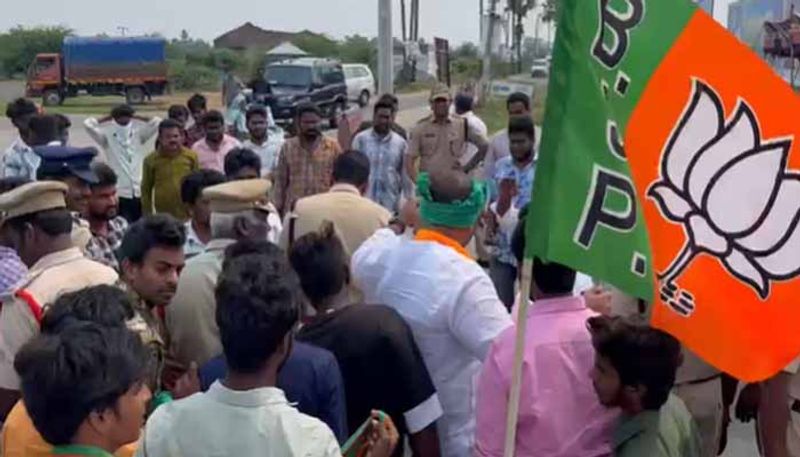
x,y
51,98
134,95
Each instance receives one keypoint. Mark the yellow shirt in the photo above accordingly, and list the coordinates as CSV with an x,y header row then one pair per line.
x,y
20,438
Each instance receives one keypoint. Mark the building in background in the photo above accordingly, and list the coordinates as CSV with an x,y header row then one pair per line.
x,y
746,19
250,36
707,5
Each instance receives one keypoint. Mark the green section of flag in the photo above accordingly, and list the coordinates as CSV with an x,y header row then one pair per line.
x,y
581,213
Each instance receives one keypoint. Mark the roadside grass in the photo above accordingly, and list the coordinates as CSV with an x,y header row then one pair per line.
x,y
414,87
98,106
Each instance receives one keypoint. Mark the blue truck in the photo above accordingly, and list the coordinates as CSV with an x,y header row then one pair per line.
x,y
133,67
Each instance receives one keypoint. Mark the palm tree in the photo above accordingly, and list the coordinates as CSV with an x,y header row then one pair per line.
x,y
519,10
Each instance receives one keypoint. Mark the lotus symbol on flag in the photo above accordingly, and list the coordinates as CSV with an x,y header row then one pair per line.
x,y
732,193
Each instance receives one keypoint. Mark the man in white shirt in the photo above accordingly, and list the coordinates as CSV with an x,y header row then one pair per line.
x,y
517,104
464,108
19,159
259,308
124,146
447,299
267,145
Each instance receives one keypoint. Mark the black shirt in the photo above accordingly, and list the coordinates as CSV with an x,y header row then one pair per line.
x,y
380,362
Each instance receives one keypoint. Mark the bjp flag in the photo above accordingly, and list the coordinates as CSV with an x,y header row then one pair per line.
x,y
668,167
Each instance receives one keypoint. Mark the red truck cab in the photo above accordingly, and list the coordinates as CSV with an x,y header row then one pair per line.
x,y
44,78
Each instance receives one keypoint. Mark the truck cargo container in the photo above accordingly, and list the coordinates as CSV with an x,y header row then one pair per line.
x,y
133,67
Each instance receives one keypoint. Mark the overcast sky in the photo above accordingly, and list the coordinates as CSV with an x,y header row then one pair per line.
x,y
456,20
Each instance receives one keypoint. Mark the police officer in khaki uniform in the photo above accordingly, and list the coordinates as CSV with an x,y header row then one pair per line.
x,y
443,136
239,211
355,217
34,217
699,385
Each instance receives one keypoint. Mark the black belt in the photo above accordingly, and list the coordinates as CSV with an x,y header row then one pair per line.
x,y
701,381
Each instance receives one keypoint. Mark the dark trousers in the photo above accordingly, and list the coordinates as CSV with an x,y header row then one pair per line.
x,y
130,209
504,277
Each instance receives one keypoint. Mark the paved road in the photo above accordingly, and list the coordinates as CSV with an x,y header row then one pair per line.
x,y
10,90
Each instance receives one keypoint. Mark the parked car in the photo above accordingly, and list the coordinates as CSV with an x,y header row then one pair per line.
x,y
541,68
134,67
297,81
360,83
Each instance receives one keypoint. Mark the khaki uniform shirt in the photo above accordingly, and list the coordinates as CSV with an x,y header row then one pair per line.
x,y
191,317
152,332
355,218
52,275
444,139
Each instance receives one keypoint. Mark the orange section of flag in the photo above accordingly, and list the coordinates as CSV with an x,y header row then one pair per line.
x,y
711,146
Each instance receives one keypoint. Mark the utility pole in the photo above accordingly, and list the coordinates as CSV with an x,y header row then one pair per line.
x,y
486,73
385,48
480,18
414,35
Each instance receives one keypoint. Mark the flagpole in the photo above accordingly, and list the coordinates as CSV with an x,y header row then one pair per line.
x,y
519,353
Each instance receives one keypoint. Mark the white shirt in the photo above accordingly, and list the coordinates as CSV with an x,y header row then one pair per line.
x,y
258,422
499,147
125,151
268,152
275,225
453,310
478,126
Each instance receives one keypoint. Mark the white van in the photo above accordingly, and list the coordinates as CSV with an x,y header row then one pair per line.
x,y
360,83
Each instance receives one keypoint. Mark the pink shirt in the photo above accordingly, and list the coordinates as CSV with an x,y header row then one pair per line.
x,y
214,159
559,414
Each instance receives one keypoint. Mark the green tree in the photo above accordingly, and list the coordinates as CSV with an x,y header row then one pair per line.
x,y
316,45
550,10
20,45
466,50
519,10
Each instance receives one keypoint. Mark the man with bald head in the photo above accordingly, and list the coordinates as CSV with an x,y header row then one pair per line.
x,y
444,295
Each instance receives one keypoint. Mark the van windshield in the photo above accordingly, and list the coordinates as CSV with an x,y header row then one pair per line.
x,y
286,75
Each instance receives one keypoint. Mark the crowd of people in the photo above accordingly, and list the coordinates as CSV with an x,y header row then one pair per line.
x,y
276,296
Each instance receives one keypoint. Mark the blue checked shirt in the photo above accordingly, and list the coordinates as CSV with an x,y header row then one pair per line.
x,y
505,169
386,155
20,161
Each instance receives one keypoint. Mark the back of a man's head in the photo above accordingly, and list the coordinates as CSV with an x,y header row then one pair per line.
x,y
550,278
105,305
44,128
257,307
641,355
351,167
10,183
463,103
51,222
85,369
449,185
321,263
250,247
